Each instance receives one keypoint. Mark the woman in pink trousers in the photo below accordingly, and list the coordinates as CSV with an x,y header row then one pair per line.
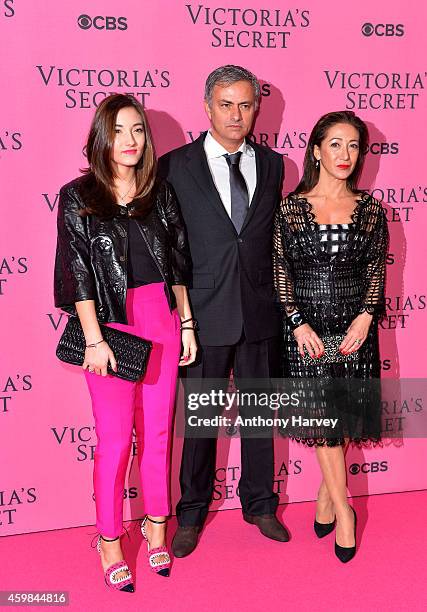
x,y
122,259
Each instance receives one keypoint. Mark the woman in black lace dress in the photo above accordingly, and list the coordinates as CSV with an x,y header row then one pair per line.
x,y
330,245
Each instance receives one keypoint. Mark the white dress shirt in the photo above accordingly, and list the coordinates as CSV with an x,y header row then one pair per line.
x,y
220,171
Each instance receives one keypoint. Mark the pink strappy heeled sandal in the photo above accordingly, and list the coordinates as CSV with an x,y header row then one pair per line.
x,y
154,554
121,584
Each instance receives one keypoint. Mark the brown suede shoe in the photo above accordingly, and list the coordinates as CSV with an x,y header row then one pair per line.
x,y
269,526
185,540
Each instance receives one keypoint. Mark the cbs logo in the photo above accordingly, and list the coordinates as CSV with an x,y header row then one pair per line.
x,y
366,468
383,29
130,493
383,148
102,23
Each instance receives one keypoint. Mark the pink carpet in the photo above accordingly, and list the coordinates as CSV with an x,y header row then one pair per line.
x,y
234,568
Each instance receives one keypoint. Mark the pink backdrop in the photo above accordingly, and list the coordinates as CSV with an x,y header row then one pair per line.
x,y
62,58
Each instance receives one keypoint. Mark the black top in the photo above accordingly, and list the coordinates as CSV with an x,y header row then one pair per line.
x,y
142,269
332,236
304,277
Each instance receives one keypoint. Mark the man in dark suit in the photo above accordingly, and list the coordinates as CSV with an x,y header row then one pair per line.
x,y
228,188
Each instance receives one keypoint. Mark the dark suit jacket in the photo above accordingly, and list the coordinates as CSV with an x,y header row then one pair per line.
x,y
232,279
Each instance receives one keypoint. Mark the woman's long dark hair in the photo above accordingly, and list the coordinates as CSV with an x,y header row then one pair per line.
x,y
98,188
310,175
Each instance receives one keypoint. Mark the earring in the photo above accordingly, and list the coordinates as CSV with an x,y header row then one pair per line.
x,y
317,164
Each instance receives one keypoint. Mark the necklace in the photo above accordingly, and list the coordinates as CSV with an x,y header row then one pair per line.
x,y
122,198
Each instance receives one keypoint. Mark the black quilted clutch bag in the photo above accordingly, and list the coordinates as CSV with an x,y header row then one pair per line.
x,y
331,354
131,352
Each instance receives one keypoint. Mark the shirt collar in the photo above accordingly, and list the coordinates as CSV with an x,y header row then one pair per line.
x,y
213,149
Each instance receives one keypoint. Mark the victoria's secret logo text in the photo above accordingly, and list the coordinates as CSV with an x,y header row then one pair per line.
x,y
227,479
87,87
399,309
397,413
9,266
401,201
378,90
8,8
248,27
14,497
84,439
10,387
10,140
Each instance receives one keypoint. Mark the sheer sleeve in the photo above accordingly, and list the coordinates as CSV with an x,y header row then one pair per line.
x,y
282,261
374,302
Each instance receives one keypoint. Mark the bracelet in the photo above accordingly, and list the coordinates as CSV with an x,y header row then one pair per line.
x,y
95,344
369,308
195,324
296,320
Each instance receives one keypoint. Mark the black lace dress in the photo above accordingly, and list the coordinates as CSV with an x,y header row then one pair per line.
x,y
331,274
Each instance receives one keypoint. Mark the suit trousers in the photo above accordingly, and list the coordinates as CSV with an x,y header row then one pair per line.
x,y
197,476
119,405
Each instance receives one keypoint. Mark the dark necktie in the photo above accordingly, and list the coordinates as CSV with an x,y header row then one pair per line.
x,y
238,191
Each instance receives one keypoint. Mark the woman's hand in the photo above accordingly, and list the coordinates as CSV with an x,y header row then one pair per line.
x,y
189,347
307,337
97,358
356,334
188,325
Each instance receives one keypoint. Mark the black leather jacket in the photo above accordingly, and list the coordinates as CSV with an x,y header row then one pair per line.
x,y
91,252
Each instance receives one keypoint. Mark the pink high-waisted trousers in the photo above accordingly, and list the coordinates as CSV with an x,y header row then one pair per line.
x,y
119,405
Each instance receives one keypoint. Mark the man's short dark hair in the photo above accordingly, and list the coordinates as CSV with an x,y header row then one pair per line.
x,y
227,75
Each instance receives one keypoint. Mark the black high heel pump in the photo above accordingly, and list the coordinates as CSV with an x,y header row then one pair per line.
x,y
346,553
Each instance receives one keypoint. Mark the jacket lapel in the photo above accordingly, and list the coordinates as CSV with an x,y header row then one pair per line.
x,y
262,172
198,167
